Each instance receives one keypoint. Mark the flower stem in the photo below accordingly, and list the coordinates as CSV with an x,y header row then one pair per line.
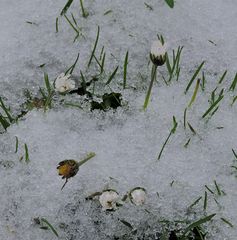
x,y
153,77
88,157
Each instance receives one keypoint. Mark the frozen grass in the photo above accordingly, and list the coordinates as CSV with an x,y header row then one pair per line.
x,y
191,189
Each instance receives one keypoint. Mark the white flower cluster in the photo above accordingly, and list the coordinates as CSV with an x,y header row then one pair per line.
x,y
109,199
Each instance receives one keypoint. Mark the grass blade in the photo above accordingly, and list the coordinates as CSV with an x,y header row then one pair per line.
x,y
85,14
212,106
27,159
235,154
203,81
65,8
172,131
125,70
194,76
170,3
47,84
233,84
234,99
195,202
217,188
185,117
222,77
191,128
71,69
94,48
194,93
205,201
112,76
70,23
209,189
7,111
227,222
17,144
197,224
56,25
50,226
5,123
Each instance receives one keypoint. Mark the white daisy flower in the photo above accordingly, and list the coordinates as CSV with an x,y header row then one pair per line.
x,y
108,200
158,53
64,83
138,196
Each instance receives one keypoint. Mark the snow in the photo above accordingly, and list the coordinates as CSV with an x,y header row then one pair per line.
x,y
126,141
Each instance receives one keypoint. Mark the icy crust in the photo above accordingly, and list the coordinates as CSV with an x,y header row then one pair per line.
x,y
126,142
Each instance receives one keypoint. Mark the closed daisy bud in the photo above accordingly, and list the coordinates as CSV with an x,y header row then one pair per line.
x,y
138,196
108,199
64,83
158,53
69,168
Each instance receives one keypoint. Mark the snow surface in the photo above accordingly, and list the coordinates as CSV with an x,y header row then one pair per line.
x,y
127,141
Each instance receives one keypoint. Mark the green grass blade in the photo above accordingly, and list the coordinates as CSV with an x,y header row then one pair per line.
x,y
233,84
27,159
227,222
234,100
217,188
112,76
71,69
125,71
170,3
195,202
17,144
212,106
235,154
194,93
191,128
194,76
163,147
209,189
205,201
172,131
168,64
7,111
50,226
5,123
70,23
222,77
65,8
185,117
56,25
47,84
197,224
94,48
203,81
85,14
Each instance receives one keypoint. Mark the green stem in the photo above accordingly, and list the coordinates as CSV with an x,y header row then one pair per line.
x,y
153,77
88,157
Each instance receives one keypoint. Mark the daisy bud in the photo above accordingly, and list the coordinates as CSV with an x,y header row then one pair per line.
x,y
64,83
138,196
108,199
158,53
